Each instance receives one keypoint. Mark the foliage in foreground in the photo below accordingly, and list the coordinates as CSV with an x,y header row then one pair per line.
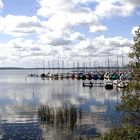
x,y
130,105
122,133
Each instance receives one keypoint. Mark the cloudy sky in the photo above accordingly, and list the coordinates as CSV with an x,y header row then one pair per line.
x,y
84,31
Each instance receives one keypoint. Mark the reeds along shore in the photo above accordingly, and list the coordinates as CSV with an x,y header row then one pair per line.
x,y
63,116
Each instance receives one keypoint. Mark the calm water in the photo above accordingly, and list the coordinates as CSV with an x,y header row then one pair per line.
x,y
20,99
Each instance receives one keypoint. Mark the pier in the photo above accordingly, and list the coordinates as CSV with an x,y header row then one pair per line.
x,y
99,84
91,84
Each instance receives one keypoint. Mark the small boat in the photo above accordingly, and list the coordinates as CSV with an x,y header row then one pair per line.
x,y
88,76
83,77
51,76
77,76
33,75
114,76
72,75
101,76
109,85
95,76
43,75
122,84
116,82
61,75
106,76
67,76
123,77
56,76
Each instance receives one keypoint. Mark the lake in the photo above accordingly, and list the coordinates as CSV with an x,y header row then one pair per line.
x,y
21,97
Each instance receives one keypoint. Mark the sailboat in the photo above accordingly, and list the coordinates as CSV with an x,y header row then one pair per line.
x,y
43,75
108,83
122,84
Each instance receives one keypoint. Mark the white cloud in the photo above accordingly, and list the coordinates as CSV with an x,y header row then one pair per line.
x,y
64,14
20,51
109,8
64,28
102,46
20,25
76,36
49,7
106,8
60,37
98,28
68,20
17,48
58,21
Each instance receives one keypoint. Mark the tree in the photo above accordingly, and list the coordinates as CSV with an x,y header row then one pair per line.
x,y
130,105
135,57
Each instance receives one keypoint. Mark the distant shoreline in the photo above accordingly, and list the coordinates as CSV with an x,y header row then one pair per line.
x,y
20,68
10,68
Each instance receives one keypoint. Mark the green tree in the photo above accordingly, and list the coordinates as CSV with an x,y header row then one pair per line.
x,y
130,105
135,57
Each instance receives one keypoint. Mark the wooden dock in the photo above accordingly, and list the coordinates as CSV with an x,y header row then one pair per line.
x,y
98,84
91,84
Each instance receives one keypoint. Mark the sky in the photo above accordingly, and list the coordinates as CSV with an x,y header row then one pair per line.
x,y
63,32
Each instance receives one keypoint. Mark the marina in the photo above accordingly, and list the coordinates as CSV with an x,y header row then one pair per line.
x,y
69,70
91,79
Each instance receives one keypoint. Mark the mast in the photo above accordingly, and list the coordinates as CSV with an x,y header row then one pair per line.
x,y
108,64
53,66
84,66
77,65
117,65
58,63
67,66
62,63
62,66
43,67
73,65
48,64
122,60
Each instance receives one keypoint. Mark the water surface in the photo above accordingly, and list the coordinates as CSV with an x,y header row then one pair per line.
x,y
20,97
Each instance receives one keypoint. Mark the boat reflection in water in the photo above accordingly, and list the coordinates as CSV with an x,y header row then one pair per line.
x,y
23,107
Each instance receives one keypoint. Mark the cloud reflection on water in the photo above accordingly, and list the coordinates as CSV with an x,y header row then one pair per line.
x,y
19,102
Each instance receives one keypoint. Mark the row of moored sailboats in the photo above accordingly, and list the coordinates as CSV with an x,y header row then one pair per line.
x,y
111,79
